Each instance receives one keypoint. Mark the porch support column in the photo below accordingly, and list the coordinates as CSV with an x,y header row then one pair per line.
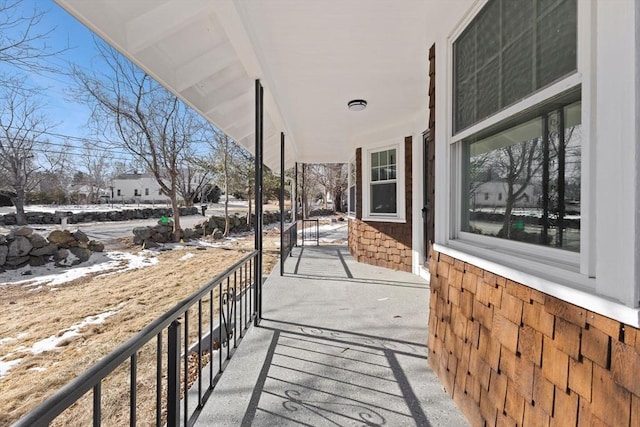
x,y
295,204
281,202
305,214
258,201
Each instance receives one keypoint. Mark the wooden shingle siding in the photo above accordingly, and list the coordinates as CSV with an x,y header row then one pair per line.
x,y
385,244
511,355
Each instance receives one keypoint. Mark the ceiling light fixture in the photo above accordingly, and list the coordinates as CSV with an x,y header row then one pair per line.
x,y
357,105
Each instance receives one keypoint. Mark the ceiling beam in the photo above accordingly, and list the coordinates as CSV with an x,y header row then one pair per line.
x,y
204,66
144,30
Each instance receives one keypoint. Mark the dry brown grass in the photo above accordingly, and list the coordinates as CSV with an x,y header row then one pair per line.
x,y
139,296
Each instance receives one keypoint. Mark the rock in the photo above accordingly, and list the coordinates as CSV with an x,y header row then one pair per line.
x,y
27,272
15,262
149,244
36,261
23,231
38,241
19,247
81,253
61,254
142,233
96,246
80,236
3,239
159,238
217,234
63,239
188,234
3,254
48,250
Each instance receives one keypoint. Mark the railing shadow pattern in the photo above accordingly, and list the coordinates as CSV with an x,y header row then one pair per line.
x,y
319,376
231,297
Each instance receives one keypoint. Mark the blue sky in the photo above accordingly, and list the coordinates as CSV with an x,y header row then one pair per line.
x,y
68,33
78,46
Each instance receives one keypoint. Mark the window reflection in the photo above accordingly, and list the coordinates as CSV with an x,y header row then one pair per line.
x,y
523,183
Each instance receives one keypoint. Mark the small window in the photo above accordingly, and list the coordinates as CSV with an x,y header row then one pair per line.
x,y
135,192
499,196
383,191
352,188
146,191
119,193
486,196
160,192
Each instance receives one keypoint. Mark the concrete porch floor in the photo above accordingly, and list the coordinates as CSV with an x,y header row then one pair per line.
x,y
341,343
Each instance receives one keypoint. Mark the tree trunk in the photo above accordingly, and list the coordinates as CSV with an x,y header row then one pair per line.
x,y
249,213
175,209
18,202
226,187
510,201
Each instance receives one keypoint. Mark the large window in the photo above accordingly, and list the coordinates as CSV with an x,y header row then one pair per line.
x,y
522,183
510,50
352,188
383,183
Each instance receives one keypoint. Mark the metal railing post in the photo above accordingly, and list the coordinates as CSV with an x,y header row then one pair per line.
x,y
173,374
282,203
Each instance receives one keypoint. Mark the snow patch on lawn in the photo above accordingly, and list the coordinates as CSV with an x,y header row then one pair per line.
x,y
53,341
51,275
5,367
187,256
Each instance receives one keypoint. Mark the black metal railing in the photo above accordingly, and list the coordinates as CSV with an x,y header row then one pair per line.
x,y
289,239
236,298
310,231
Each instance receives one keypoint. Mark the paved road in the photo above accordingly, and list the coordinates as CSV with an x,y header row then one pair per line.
x,y
109,231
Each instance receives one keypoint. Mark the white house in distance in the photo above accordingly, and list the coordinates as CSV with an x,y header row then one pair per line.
x,y
138,188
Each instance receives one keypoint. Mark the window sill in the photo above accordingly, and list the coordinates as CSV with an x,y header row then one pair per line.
x,y
566,285
383,219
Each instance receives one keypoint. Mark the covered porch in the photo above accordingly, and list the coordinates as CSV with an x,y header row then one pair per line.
x,y
340,343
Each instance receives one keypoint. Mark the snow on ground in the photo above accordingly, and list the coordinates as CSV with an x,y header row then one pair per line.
x,y
51,275
106,207
5,367
53,341
329,233
187,256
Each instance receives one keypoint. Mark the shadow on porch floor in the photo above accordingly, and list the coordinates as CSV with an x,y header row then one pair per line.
x,y
341,343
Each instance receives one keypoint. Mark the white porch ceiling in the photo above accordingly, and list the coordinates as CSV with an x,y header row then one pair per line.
x,y
311,56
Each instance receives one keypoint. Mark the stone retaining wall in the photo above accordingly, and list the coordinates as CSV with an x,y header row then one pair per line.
x,y
98,216
22,246
151,236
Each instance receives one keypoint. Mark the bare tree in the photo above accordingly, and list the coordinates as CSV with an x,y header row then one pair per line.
x,y
333,178
23,41
96,165
141,116
230,164
22,127
518,163
192,178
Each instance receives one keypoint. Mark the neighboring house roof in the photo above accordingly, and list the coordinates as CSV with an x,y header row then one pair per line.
x,y
134,175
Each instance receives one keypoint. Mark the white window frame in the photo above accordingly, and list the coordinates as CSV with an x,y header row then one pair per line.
x,y
400,214
352,213
551,263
